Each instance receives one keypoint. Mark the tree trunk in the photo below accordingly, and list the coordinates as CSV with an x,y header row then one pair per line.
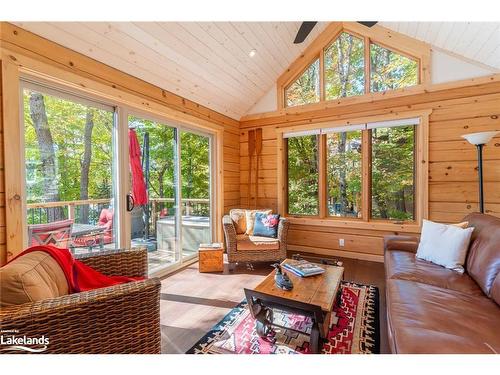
x,y
85,164
47,154
342,174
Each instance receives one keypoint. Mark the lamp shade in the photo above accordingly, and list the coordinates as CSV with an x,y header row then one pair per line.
x,y
480,138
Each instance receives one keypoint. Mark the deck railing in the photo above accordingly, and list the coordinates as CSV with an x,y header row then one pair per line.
x,y
87,211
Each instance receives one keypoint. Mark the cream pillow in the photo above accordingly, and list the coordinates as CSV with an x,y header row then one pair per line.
x,y
445,245
250,219
238,217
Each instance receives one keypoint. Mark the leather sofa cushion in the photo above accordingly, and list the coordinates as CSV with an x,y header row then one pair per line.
x,y
32,277
404,265
483,261
253,243
429,319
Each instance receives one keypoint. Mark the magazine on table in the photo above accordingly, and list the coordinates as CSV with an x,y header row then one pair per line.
x,y
303,268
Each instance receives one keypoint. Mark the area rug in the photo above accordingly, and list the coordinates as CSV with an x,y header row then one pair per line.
x,y
354,329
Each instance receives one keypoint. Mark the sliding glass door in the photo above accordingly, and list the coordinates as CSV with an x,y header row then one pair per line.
x,y
170,176
153,217
69,176
99,177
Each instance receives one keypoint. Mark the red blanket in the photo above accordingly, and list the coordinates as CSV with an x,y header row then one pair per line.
x,y
80,277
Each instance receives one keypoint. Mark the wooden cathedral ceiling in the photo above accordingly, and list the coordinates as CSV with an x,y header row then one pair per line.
x,y
206,62
209,62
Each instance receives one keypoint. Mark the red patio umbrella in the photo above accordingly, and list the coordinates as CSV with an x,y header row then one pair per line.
x,y
138,183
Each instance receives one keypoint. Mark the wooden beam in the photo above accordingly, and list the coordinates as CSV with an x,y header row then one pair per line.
x,y
14,176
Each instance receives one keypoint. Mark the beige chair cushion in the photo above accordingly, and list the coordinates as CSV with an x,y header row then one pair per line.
x,y
245,242
32,277
238,217
250,219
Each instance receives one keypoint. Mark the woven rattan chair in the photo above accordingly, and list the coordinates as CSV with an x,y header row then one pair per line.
x,y
258,255
119,319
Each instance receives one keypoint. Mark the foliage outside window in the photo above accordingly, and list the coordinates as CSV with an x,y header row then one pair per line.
x,y
303,174
390,70
393,171
344,174
68,154
344,67
306,89
389,167
347,73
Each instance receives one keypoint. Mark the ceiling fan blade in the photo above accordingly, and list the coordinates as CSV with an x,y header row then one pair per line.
x,y
304,31
368,23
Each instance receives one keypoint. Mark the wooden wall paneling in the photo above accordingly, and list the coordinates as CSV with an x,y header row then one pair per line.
x,y
452,165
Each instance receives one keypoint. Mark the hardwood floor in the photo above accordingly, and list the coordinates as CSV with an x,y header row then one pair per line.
x,y
192,302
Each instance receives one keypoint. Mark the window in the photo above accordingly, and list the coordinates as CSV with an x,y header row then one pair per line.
x,y
393,171
365,171
306,89
344,67
303,173
344,173
352,64
390,70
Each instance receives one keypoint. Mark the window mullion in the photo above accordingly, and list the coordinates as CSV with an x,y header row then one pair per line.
x,y
367,64
366,171
322,177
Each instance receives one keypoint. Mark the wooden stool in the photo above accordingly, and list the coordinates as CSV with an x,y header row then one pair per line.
x,y
211,259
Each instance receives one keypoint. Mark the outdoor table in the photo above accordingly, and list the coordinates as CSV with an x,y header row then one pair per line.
x,y
95,234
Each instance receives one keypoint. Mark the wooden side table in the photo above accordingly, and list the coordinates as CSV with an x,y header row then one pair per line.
x,y
211,259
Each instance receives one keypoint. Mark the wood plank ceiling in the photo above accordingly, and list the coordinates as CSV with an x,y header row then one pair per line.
x,y
477,41
207,62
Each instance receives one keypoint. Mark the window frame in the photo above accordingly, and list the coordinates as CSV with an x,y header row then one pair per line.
x,y
365,222
395,42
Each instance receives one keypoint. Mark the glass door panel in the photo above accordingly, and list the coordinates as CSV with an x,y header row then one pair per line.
x,y
154,219
69,147
195,202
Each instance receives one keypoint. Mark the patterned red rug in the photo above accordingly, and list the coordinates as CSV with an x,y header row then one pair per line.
x,y
354,329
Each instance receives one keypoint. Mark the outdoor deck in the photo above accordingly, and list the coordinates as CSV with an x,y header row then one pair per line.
x,y
161,239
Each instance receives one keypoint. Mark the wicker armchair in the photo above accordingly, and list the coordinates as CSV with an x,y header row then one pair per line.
x,y
119,319
259,255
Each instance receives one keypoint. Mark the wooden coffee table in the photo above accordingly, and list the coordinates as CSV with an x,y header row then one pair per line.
x,y
312,296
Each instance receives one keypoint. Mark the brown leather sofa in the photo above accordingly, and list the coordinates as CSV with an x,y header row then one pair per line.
x,y
431,309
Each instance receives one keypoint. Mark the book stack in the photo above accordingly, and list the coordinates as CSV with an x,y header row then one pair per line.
x,y
303,268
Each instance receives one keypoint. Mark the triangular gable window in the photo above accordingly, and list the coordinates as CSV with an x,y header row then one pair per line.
x,y
306,89
390,70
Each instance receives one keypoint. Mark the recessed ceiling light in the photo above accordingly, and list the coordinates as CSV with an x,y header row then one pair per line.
x,y
252,53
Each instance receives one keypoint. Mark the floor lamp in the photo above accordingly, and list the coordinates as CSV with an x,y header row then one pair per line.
x,y
479,140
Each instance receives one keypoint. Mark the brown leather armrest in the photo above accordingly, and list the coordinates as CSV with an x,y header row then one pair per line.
x,y
402,243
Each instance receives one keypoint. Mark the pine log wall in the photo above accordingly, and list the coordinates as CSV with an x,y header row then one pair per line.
x,y
452,163
18,40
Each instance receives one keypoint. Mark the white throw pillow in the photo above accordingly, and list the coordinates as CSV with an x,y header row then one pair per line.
x,y
444,244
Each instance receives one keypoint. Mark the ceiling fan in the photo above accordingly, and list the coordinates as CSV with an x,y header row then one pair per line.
x,y
307,26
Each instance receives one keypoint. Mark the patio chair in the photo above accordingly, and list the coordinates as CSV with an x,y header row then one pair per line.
x,y
121,319
241,247
57,233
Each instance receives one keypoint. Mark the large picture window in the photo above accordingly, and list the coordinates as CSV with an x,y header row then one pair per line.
x,y
362,171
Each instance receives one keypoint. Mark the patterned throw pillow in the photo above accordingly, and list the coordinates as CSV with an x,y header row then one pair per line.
x,y
239,220
250,219
266,225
